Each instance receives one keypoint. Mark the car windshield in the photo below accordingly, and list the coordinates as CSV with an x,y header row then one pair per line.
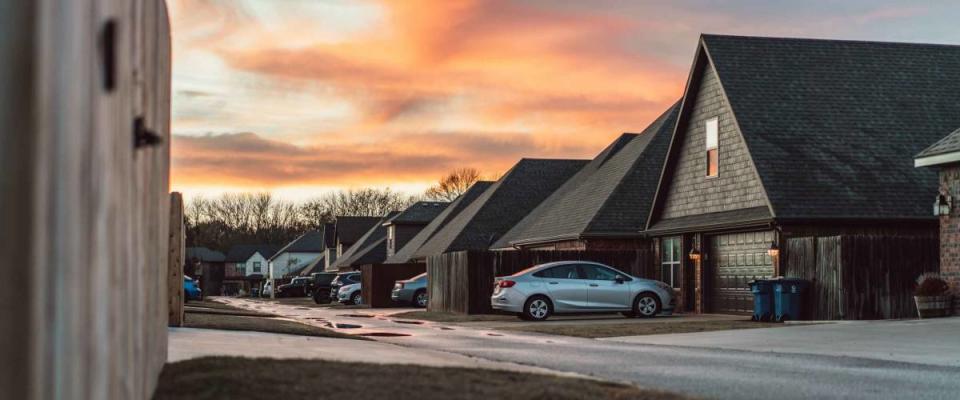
x,y
419,277
525,270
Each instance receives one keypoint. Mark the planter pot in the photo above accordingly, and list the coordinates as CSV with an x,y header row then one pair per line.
x,y
932,306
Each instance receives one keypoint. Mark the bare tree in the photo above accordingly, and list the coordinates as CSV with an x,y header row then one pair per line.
x,y
453,184
364,202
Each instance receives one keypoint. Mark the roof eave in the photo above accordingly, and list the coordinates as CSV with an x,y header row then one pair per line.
x,y
935,160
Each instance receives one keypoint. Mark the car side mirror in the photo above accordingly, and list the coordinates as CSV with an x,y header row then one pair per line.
x,y
619,279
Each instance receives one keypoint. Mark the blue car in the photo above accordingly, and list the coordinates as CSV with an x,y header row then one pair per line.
x,y
191,291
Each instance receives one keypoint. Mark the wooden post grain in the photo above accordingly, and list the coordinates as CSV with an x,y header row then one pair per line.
x,y
175,261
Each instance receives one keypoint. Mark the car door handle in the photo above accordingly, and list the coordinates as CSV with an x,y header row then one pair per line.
x,y
594,285
554,283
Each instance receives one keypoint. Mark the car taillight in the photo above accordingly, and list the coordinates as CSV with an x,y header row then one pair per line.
x,y
507,284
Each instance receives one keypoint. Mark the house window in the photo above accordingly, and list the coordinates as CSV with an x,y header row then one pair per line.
x,y
256,267
241,269
713,139
670,261
391,236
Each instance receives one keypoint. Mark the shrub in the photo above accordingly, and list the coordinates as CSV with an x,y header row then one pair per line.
x,y
930,284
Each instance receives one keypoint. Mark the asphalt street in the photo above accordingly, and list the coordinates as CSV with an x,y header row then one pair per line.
x,y
698,367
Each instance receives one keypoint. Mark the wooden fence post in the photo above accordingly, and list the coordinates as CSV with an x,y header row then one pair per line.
x,y
175,261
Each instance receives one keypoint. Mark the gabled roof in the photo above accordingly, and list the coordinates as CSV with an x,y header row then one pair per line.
x,y
350,229
501,206
944,151
310,242
419,213
204,254
832,126
370,248
405,253
243,252
610,196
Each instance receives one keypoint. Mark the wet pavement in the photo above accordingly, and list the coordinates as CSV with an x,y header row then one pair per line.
x,y
703,370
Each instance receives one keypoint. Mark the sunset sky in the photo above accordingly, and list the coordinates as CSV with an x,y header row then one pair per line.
x,y
300,97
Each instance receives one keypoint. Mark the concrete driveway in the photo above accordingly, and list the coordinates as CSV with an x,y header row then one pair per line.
x,y
703,367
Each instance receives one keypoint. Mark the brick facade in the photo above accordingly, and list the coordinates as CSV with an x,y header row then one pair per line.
x,y
950,229
736,186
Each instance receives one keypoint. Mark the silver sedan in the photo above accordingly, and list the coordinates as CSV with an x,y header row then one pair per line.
x,y
579,287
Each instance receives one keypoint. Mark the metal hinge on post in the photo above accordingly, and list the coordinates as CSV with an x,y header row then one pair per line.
x,y
143,137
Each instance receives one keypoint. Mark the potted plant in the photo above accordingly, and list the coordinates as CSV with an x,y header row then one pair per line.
x,y
932,296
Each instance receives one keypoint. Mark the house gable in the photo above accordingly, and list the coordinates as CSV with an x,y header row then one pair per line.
x,y
685,188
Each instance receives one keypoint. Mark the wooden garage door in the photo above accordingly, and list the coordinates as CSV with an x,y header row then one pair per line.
x,y
738,258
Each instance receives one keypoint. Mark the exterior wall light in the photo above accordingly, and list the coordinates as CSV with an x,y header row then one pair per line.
x,y
773,251
694,255
943,205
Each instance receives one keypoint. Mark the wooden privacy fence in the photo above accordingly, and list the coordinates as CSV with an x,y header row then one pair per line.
x,y
462,281
378,281
861,276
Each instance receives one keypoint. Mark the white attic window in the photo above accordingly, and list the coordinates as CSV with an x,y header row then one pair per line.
x,y
713,139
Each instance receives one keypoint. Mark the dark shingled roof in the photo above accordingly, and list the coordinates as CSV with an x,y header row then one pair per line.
x,y
610,196
949,144
501,206
370,248
832,126
350,229
204,254
419,213
310,242
405,253
243,252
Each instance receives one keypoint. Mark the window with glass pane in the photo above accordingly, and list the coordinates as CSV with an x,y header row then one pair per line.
x,y
713,140
596,273
670,254
256,266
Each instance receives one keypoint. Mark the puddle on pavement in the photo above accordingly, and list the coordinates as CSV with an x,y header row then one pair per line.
x,y
303,308
356,315
400,321
384,334
348,326
444,328
494,334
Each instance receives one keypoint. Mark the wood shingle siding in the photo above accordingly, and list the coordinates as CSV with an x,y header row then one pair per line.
x,y
736,186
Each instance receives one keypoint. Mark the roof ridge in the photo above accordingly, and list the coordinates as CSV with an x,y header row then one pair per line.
x,y
852,41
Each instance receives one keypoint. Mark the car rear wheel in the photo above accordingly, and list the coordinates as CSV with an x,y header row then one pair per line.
x,y
646,305
356,298
420,298
537,308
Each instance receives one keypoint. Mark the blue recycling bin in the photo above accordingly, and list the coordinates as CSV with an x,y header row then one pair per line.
x,y
762,290
787,295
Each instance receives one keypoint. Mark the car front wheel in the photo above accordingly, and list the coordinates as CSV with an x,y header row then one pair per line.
x,y
537,308
646,305
356,298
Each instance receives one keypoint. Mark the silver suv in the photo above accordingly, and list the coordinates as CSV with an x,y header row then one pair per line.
x,y
579,287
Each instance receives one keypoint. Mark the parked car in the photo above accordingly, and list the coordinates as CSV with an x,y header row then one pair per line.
x,y
411,291
298,287
191,291
267,289
350,294
342,279
321,286
538,292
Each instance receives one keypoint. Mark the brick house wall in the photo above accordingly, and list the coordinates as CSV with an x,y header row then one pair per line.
x,y
736,185
950,229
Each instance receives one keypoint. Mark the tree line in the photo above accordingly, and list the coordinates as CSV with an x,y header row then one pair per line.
x,y
260,218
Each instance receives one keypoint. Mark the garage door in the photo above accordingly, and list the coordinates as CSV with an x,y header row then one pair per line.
x,y
738,258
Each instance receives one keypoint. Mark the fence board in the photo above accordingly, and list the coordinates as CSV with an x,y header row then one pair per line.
x,y
378,281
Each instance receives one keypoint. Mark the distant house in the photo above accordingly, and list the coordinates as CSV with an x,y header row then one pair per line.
x,y
407,224
501,206
405,253
246,267
329,242
944,155
606,204
206,266
788,149
347,231
296,255
370,248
